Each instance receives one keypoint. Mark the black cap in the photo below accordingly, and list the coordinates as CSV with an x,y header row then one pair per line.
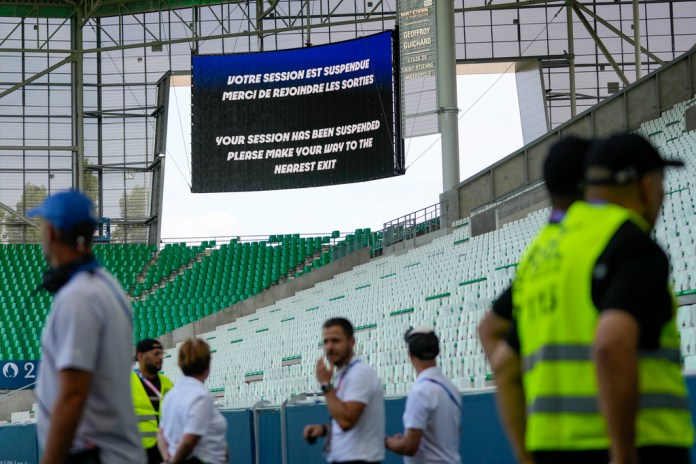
x,y
147,344
627,158
564,166
422,343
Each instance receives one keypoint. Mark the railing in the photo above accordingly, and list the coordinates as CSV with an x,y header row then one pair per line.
x,y
221,239
407,227
421,222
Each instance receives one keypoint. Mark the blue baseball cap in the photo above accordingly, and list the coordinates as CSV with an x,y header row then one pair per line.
x,y
65,210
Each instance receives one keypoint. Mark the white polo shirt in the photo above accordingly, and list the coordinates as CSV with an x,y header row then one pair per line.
x,y
434,406
189,409
90,329
359,382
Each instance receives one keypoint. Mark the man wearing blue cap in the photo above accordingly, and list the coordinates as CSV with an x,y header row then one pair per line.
x,y
85,408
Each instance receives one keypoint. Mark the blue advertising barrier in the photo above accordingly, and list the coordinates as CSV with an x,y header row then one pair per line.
x,y
240,436
482,436
18,444
483,439
18,374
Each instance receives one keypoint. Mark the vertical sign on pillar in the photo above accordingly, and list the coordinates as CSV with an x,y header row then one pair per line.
x,y
418,63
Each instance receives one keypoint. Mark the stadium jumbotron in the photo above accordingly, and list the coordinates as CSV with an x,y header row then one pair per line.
x,y
310,97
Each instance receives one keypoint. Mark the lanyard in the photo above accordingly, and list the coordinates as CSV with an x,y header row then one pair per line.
x,y
557,216
148,383
449,393
345,372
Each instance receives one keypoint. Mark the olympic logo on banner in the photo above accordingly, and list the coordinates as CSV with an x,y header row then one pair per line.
x,y
10,370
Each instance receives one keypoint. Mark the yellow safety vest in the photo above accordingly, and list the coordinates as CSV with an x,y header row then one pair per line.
x,y
557,320
148,418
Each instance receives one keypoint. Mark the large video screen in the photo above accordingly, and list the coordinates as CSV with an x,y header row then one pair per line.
x,y
296,118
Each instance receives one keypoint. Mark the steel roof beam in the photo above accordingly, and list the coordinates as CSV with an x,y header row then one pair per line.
x,y
37,75
601,46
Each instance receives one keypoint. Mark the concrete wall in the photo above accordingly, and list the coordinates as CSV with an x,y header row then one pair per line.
x,y
519,207
406,245
265,298
15,401
625,110
691,119
505,210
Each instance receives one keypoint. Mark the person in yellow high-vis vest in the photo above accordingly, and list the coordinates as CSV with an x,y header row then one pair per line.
x,y
563,169
594,324
149,387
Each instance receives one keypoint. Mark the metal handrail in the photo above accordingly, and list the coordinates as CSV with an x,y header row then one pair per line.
x,y
406,227
12,393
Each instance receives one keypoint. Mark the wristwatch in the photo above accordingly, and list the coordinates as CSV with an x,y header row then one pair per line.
x,y
326,387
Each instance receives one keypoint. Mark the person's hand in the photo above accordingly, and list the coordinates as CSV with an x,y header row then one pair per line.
x,y
324,374
388,441
312,432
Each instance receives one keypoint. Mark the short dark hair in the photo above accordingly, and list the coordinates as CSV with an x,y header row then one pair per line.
x,y
343,323
84,230
564,167
424,346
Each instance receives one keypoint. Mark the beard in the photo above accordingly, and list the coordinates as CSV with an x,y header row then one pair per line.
x,y
343,359
151,368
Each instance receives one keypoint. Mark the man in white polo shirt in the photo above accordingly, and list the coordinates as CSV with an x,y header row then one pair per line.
x,y
355,400
433,408
84,397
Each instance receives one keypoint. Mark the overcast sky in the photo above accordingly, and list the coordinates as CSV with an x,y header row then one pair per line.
x,y
488,130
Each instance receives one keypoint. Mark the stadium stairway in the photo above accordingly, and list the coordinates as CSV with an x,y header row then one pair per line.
x,y
163,267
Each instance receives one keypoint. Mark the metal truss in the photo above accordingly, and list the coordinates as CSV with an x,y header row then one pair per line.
x,y
101,109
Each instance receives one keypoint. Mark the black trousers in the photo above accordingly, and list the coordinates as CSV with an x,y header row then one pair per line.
x,y
646,455
153,455
193,461
90,456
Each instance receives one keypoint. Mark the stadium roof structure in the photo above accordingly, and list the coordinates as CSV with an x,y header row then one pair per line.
x,y
84,83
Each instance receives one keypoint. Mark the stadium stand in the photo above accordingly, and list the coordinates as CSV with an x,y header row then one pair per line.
x,y
170,287
448,284
270,355
124,261
23,314
195,282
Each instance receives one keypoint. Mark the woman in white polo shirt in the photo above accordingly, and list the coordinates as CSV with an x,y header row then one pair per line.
x,y
192,430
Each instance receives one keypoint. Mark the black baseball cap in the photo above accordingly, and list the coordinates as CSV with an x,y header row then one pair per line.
x,y
147,344
422,343
564,166
627,158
